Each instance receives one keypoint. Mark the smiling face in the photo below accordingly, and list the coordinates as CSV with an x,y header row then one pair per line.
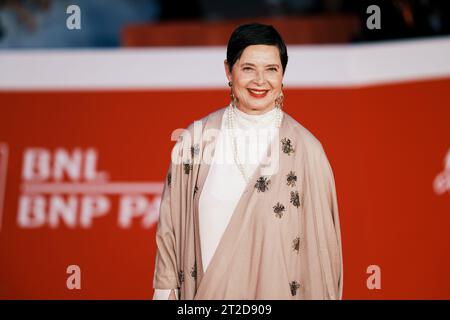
x,y
257,77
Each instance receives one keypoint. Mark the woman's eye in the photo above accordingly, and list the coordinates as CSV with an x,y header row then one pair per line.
x,y
247,68
273,69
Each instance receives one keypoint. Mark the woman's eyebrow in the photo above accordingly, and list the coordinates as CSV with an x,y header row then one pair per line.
x,y
253,65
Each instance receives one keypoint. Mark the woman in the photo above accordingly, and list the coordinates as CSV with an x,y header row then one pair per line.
x,y
254,220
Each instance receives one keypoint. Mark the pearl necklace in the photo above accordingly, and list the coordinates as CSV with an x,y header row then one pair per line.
x,y
231,115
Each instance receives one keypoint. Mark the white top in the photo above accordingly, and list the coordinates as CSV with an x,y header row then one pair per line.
x,y
225,184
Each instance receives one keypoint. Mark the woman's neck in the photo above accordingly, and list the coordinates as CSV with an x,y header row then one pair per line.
x,y
245,120
255,111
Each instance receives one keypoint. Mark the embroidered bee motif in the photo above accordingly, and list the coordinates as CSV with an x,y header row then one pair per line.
x,y
286,146
279,210
296,244
262,184
194,271
291,179
187,167
181,276
294,285
169,178
195,150
295,199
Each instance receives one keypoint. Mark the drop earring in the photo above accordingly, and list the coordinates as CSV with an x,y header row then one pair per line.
x,y
232,96
279,101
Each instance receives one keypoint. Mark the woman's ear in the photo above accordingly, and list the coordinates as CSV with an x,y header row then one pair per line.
x,y
227,69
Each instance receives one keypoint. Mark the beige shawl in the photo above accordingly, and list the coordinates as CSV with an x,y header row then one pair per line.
x,y
283,240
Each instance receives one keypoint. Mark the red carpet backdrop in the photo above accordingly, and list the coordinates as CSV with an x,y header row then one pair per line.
x,y
85,140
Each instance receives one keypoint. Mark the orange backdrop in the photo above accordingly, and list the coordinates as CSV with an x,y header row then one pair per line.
x,y
387,145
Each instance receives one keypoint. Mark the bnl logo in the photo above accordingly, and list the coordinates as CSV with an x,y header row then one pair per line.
x,y
3,173
84,196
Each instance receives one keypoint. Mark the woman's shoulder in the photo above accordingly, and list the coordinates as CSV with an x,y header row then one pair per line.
x,y
214,116
197,127
211,120
303,136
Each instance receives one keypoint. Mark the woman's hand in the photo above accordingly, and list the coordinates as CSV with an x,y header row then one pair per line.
x,y
172,295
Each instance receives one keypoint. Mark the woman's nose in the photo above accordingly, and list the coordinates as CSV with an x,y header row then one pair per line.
x,y
259,78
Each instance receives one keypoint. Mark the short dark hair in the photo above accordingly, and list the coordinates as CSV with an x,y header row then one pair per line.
x,y
253,34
